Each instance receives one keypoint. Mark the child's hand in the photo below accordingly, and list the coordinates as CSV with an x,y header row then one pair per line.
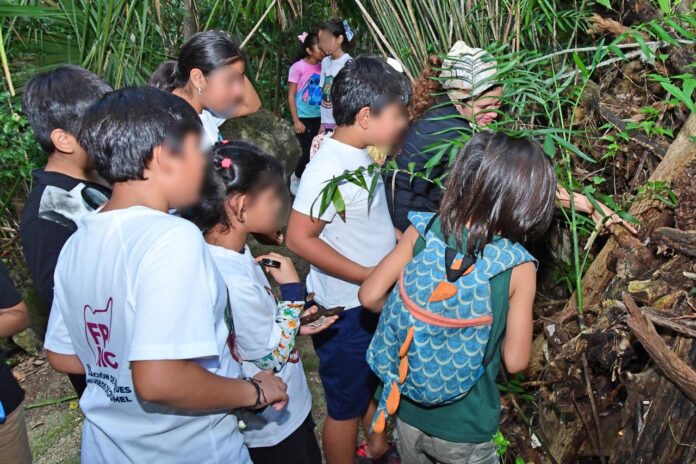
x,y
286,273
322,129
299,127
273,390
317,326
604,215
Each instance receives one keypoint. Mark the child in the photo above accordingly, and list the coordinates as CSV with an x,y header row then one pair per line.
x,y
139,305
209,74
334,38
246,194
304,98
369,98
471,251
68,187
14,442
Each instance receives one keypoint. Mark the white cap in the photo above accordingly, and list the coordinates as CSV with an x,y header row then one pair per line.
x,y
467,69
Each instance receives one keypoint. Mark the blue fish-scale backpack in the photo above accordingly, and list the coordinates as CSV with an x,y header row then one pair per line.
x,y
436,324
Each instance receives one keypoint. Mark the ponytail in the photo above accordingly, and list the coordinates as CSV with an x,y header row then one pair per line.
x,y
206,51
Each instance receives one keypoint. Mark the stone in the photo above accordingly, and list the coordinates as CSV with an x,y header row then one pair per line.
x,y
270,133
28,341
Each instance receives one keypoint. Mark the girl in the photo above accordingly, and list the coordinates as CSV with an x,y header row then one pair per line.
x,y
304,98
334,38
245,194
209,75
501,169
445,106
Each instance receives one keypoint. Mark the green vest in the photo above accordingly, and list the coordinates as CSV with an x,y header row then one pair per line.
x,y
476,417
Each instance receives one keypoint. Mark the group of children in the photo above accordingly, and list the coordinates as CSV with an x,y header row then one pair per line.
x,y
168,325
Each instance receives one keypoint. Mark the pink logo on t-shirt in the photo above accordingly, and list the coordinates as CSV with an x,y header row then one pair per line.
x,y
98,334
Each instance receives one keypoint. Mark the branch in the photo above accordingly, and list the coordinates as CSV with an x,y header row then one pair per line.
x,y
679,372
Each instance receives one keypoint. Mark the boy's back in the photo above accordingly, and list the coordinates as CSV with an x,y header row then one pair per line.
x,y
123,292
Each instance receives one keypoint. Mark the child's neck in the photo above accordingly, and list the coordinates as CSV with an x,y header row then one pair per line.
x,y
136,193
311,60
60,162
187,94
337,54
232,238
349,135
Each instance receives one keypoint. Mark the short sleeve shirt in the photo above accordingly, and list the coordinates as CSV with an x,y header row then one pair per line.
x,y
133,285
308,95
329,69
365,233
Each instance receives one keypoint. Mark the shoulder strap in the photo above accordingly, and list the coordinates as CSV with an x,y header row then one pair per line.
x,y
429,225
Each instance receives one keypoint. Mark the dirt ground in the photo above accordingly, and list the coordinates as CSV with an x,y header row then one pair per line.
x,y
54,419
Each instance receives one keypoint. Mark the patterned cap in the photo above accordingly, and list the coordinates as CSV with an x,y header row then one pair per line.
x,y
467,69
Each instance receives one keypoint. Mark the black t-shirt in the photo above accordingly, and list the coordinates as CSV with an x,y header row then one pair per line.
x,y
440,123
11,394
51,215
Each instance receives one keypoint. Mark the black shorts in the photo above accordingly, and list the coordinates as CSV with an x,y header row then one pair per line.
x,y
301,447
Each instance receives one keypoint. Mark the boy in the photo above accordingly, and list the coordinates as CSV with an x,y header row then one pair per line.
x,y
14,442
138,304
370,98
68,187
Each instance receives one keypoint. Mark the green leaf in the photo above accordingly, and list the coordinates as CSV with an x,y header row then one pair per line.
x,y
339,204
605,3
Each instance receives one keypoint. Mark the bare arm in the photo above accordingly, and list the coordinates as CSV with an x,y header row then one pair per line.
x,y
185,385
303,239
292,105
603,215
517,345
65,363
250,103
375,289
14,319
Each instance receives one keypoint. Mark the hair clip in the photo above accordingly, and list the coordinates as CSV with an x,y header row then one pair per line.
x,y
349,32
302,36
224,141
226,163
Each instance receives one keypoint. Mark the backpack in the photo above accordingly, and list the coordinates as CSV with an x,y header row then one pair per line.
x,y
435,326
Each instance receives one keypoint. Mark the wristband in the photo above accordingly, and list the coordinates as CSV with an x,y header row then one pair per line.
x,y
259,391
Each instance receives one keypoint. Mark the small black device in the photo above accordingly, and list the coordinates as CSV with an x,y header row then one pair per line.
x,y
270,263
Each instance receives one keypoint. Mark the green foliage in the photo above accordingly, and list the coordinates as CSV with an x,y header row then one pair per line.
x,y
501,443
19,152
122,41
659,190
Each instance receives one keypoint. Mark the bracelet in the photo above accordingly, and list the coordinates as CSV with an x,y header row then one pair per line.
x,y
260,395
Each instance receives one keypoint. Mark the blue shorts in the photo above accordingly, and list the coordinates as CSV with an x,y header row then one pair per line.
x,y
349,384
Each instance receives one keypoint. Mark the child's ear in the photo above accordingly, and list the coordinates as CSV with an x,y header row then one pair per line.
x,y
235,208
197,78
63,141
363,117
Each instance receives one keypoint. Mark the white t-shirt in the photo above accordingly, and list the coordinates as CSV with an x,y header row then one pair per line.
x,y
367,234
329,69
138,284
211,131
256,334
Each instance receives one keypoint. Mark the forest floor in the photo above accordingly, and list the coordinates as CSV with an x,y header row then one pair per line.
x,y
55,430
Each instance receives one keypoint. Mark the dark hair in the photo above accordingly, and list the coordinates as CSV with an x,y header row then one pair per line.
x,y
121,130
206,51
367,81
338,29
310,41
237,168
498,185
57,100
